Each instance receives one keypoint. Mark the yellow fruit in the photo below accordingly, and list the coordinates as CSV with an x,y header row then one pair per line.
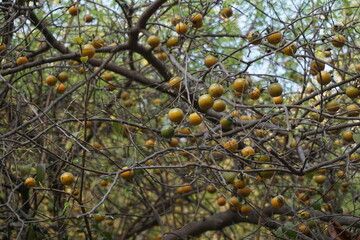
x,y
175,83
153,41
303,228
99,218
241,85
50,80
234,201
278,201
74,10
181,28
290,50
352,92
88,18
194,119
127,175
150,143
226,123
176,115
275,90
338,41
247,151
216,90
196,20
173,142
88,50
254,37
205,102
353,110
278,100
319,178
219,105
254,93
210,61
22,60
274,38
226,12
63,77
172,41
347,136
98,42
238,183
211,189
316,66
107,76
332,107
103,183
67,178
30,182
2,47
323,78
175,20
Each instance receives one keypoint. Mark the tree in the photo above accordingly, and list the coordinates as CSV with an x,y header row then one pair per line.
x,y
176,120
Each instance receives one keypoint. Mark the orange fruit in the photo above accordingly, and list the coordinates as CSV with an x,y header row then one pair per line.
x,y
238,183
30,182
103,183
338,41
221,201
150,143
234,201
67,178
332,107
172,41
323,78
181,28
245,209
254,37
61,88
216,90
210,61
219,105
205,102
303,228
244,192
63,77
196,20
173,142
241,85
247,151
211,189
2,47
278,201
107,76
194,119
153,41
231,145
175,83
88,18
175,20
278,100
127,175
88,50
274,38
22,60
176,115
319,178
254,93
347,136
316,66
275,90
74,10
98,42
50,80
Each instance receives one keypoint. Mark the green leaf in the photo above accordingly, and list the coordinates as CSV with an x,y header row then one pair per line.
x,y
118,128
78,40
84,59
40,172
356,138
288,229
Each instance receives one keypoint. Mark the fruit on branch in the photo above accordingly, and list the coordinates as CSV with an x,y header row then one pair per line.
x,y
197,20
247,151
274,38
205,102
22,60
153,41
278,100
176,115
231,145
63,77
67,178
51,80
290,50
88,18
323,78
98,42
127,175
347,136
319,178
352,92
181,28
254,37
167,131
275,90
88,50
175,83
172,41
194,119
216,90
221,201
74,10
210,61
278,201
226,12
226,123
241,85
254,93
30,182
175,20
61,88
219,105
332,107
338,41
